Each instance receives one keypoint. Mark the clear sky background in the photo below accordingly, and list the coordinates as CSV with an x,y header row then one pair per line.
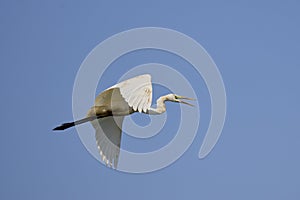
x,y
255,45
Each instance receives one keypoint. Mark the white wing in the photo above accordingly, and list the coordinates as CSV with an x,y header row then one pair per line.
x,y
137,92
108,138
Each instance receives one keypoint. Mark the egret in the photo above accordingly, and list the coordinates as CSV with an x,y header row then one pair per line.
x,y
112,105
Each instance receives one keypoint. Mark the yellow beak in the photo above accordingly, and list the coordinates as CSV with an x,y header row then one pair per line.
x,y
187,98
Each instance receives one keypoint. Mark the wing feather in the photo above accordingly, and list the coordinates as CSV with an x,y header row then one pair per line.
x,y
137,92
108,138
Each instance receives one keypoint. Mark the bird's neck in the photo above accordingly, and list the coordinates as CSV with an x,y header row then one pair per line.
x,y
160,106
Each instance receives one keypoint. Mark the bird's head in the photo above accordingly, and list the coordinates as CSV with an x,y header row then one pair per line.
x,y
178,99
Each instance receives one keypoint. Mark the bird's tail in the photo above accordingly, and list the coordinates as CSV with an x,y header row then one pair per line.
x,y
71,124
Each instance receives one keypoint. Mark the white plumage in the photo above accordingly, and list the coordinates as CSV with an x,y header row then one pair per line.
x,y
107,114
137,92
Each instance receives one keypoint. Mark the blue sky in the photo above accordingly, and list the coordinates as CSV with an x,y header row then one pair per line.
x,y
255,45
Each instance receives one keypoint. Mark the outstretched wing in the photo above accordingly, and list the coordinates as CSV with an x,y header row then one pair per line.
x,y
137,92
108,138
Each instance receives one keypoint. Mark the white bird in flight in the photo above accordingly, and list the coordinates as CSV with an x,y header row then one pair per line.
x,y
107,114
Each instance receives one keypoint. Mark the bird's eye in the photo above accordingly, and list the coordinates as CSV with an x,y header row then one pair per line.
x,y
175,97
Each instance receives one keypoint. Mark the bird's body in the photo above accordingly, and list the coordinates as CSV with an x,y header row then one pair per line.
x,y
110,107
